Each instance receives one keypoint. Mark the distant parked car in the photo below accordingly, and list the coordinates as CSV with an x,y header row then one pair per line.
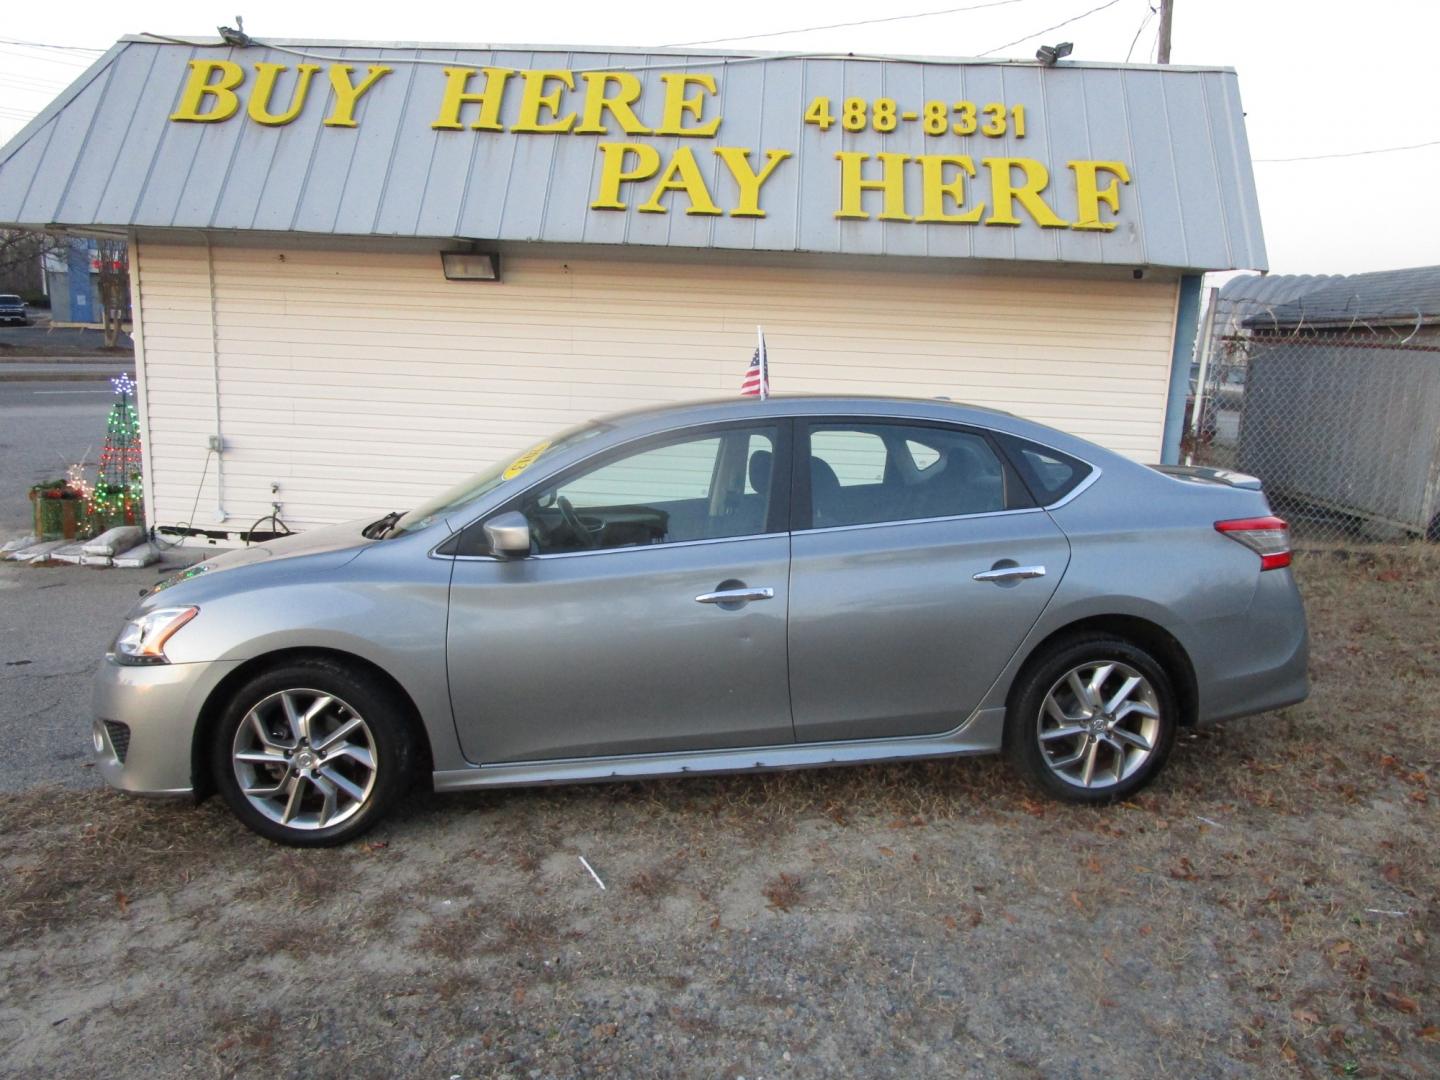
x,y
713,588
13,310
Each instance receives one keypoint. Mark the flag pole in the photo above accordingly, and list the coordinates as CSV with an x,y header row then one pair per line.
x,y
764,363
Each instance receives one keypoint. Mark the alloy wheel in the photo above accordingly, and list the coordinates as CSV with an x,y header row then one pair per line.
x,y
1098,724
305,759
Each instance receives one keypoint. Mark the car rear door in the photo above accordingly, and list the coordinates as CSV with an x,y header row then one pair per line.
x,y
658,626
918,565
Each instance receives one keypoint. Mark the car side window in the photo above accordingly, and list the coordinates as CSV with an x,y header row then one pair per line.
x,y
857,457
706,487
1050,474
909,472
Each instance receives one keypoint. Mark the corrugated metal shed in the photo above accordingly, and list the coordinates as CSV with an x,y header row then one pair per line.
x,y
106,154
1254,295
1386,296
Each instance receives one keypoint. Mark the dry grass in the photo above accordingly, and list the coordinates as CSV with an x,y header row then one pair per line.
x,y
1270,906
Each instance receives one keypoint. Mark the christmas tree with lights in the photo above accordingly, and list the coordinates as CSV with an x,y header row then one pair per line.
x,y
116,498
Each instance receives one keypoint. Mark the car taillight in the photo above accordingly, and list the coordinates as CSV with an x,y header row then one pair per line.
x,y
1268,537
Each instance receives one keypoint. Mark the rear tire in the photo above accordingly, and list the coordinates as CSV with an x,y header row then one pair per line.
x,y
1091,720
312,754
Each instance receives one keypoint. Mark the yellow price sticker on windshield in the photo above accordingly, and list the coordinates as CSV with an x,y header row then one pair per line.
x,y
524,461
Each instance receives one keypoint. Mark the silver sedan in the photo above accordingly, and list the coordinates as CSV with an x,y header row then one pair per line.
x,y
710,588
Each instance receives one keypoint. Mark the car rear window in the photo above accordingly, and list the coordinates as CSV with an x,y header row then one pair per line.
x,y
1049,474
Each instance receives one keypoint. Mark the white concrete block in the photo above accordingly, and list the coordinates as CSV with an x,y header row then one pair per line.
x,y
120,538
143,555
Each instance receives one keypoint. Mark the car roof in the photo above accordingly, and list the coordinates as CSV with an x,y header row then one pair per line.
x,y
701,410
655,419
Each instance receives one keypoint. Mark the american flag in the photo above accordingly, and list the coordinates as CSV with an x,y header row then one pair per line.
x,y
757,376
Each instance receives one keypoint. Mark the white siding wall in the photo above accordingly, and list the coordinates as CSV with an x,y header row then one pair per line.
x,y
358,381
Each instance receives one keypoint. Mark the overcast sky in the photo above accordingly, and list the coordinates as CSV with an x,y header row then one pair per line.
x,y
1316,76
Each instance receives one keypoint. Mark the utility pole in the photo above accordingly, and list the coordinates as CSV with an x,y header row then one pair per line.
x,y
1162,51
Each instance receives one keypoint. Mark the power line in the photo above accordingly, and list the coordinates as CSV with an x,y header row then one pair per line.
x,y
1057,26
845,25
64,61
1352,153
46,45
31,84
1149,14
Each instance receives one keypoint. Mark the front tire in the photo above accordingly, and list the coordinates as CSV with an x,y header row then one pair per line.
x,y
1092,719
312,754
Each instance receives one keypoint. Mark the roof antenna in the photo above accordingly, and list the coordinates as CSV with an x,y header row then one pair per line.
x,y
234,36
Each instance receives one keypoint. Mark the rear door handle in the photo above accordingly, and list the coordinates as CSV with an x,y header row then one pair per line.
x,y
1010,573
736,596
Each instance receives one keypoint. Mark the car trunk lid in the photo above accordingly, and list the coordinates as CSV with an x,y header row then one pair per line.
x,y
1200,474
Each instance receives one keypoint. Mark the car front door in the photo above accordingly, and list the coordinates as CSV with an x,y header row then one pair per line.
x,y
650,616
918,565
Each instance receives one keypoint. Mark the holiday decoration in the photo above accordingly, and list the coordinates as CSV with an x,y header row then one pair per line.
x,y
76,482
59,510
116,498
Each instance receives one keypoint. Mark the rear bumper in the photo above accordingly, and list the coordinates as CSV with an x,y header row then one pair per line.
x,y
158,707
1265,661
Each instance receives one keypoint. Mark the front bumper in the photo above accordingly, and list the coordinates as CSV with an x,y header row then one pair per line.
x,y
158,706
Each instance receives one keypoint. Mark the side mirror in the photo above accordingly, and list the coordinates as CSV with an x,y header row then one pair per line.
x,y
509,535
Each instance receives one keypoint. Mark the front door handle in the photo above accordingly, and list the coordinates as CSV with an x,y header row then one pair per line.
x,y
736,596
1010,573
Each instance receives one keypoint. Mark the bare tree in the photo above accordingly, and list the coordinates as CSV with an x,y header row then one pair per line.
x,y
114,286
20,254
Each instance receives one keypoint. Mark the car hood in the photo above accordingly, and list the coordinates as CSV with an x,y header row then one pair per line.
x,y
343,538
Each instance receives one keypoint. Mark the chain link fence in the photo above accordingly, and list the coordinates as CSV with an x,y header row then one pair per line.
x,y
1340,423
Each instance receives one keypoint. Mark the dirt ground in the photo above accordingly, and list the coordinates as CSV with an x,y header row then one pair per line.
x,y
1269,907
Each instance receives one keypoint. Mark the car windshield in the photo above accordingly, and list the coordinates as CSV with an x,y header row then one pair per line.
x,y
481,483
6,298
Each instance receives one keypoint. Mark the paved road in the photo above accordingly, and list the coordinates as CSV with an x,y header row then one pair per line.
x,y
44,427
55,624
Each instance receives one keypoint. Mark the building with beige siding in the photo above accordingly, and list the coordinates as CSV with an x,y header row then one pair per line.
x,y
1010,234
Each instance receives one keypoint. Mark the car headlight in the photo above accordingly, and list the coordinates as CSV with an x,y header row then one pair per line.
x,y
142,641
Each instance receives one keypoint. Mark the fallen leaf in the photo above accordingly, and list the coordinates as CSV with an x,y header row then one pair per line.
x,y
1388,575
604,1031
124,902
1075,899
1401,1003
1093,865
1183,871
519,994
1391,873
715,923
1306,1016
1430,1031
887,852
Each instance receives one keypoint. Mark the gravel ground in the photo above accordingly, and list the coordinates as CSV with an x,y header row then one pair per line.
x,y
1269,907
